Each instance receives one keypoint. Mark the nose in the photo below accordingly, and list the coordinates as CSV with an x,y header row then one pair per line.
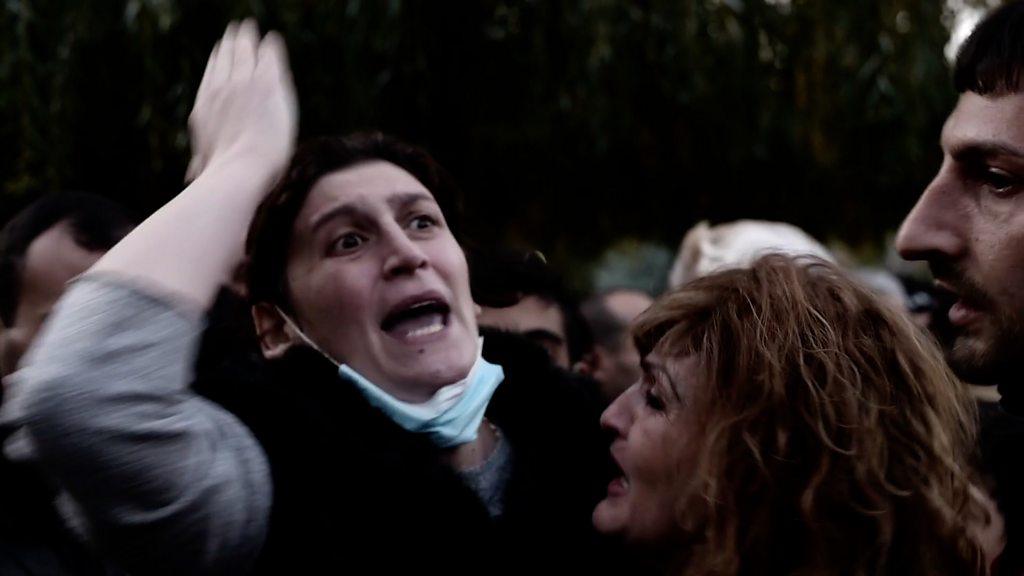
x,y
404,255
618,417
934,229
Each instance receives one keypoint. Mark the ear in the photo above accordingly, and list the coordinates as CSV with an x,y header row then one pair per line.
x,y
275,334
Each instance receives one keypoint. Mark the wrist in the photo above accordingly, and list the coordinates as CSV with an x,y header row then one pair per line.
x,y
244,176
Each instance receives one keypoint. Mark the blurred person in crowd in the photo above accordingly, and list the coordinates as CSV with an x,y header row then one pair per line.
x,y
969,226
706,249
43,247
788,422
883,284
48,243
921,301
522,294
614,361
387,437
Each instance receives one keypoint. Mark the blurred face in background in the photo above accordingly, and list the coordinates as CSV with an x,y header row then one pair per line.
x,y
538,319
52,259
617,366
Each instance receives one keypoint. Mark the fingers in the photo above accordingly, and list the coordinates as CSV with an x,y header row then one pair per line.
x,y
246,95
272,62
273,57
246,42
204,84
225,55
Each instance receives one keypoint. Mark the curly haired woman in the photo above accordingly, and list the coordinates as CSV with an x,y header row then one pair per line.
x,y
789,423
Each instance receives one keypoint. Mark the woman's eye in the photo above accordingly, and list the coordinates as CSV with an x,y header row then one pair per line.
x,y
653,401
347,242
423,222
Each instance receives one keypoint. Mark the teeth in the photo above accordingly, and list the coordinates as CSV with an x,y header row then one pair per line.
x,y
432,329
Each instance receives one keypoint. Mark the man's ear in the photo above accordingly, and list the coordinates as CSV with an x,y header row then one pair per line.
x,y
275,334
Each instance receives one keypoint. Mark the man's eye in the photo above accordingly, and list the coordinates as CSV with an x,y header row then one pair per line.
x,y
1000,181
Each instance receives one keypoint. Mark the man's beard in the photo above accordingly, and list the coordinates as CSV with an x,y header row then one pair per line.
x,y
989,352
983,362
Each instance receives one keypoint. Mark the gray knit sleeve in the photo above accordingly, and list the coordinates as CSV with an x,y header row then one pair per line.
x,y
167,481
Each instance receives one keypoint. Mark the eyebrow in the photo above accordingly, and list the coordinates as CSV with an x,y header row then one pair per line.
x,y
397,202
984,149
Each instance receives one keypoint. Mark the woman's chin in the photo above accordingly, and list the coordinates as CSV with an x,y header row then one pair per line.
x,y
606,518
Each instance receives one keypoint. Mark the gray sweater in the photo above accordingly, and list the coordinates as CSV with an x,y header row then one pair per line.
x,y
162,479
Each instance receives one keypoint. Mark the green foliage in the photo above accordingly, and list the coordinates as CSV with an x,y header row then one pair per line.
x,y
569,123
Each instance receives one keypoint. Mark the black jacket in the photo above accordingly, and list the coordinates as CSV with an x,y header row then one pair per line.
x,y
355,493
1002,435
33,538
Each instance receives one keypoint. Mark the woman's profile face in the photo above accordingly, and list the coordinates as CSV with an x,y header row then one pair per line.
x,y
655,437
379,282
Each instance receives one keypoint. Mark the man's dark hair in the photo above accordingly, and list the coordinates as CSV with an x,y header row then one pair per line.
x,y
96,224
992,58
501,277
270,233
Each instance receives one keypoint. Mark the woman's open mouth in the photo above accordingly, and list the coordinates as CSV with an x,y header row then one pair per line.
x,y
417,320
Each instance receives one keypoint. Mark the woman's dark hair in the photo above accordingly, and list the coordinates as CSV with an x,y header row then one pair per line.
x,y
270,233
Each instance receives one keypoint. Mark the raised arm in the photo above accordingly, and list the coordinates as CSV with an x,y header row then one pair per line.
x,y
166,481
243,130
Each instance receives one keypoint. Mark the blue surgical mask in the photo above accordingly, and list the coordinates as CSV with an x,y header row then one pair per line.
x,y
453,414
451,417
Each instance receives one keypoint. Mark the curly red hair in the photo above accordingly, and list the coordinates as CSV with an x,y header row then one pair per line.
x,y
834,439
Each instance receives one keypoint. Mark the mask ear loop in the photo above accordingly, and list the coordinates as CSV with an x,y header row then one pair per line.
x,y
302,335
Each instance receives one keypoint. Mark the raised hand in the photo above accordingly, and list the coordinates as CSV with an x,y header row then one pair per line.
x,y
243,130
246,108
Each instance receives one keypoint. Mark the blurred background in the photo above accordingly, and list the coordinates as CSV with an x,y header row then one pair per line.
x,y
596,131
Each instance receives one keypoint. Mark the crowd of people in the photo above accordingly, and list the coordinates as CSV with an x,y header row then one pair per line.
x,y
298,365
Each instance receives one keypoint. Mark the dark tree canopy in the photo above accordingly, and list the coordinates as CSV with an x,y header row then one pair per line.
x,y
569,124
